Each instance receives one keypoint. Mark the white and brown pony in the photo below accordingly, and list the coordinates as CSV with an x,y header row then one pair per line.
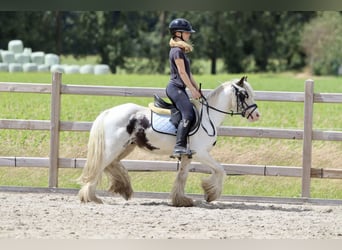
x,y
118,130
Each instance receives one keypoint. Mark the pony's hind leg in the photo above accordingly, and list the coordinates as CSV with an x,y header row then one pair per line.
x,y
177,195
88,189
89,179
119,181
87,193
92,171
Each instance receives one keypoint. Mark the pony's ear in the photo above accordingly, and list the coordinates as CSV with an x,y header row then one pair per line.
x,y
240,83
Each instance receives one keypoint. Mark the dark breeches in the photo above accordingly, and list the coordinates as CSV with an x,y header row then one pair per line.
x,y
181,100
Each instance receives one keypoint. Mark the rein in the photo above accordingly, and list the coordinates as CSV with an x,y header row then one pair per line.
x,y
240,99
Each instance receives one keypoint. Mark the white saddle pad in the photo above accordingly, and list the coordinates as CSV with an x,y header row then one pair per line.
x,y
161,123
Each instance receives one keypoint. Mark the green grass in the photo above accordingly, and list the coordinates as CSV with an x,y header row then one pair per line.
x,y
163,181
228,150
69,59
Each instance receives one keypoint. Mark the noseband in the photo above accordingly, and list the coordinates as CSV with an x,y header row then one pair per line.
x,y
241,96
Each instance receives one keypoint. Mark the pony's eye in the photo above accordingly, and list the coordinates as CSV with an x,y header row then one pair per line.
x,y
243,95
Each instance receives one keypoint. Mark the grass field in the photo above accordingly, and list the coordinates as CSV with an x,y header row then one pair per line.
x,y
228,150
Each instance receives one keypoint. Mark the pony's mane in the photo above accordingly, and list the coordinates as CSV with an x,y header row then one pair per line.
x,y
226,84
219,89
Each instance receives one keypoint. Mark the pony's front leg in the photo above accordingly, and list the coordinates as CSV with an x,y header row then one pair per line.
x,y
212,185
177,195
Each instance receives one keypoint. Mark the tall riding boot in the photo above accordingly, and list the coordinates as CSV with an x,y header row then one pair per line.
x,y
181,139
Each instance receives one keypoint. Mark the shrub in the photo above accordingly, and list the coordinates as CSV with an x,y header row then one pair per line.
x,y
322,42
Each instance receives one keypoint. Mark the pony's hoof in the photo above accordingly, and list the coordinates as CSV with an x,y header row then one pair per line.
x,y
96,200
125,191
211,193
208,198
183,202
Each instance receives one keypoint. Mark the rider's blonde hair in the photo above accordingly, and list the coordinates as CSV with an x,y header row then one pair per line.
x,y
187,47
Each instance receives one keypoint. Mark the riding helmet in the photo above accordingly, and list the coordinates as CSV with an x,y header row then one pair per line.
x,y
180,24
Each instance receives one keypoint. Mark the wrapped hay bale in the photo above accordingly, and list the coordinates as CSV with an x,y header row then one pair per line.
x,y
72,69
22,58
51,59
16,46
339,71
7,56
27,51
87,69
38,57
43,68
3,67
57,68
15,67
30,67
101,69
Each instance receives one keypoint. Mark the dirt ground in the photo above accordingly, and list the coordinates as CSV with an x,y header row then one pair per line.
x,y
62,216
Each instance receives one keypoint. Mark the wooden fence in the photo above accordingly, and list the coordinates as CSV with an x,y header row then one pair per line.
x,y
54,162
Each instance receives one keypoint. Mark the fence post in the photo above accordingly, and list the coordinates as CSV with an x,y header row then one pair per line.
x,y
54,128
307,137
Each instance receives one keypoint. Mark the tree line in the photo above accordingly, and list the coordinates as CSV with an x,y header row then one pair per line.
x,y
246,41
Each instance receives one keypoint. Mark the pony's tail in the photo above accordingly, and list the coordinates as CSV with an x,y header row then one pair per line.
x,y
92,169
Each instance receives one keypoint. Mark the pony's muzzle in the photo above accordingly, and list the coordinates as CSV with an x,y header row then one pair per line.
x,y
253,115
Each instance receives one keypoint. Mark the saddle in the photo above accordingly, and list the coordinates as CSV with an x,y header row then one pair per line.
x,y
165,117
160,103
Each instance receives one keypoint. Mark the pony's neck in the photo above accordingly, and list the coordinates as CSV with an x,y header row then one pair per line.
x,y
221,99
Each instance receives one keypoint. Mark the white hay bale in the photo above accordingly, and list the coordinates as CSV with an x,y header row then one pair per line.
x,y
15,67
101,69
27,51
87,69
16,46
7,56
22,58
51,59
38,57
339,72
3,67
30,67
43,68
57,68
72,69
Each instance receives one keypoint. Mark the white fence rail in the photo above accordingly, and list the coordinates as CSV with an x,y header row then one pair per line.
x,y
56,89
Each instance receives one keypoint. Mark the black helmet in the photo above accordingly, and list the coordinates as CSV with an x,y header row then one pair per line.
x,y
180,24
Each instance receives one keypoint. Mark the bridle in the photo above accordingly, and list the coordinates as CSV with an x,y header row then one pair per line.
x,y
241,96
241,104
